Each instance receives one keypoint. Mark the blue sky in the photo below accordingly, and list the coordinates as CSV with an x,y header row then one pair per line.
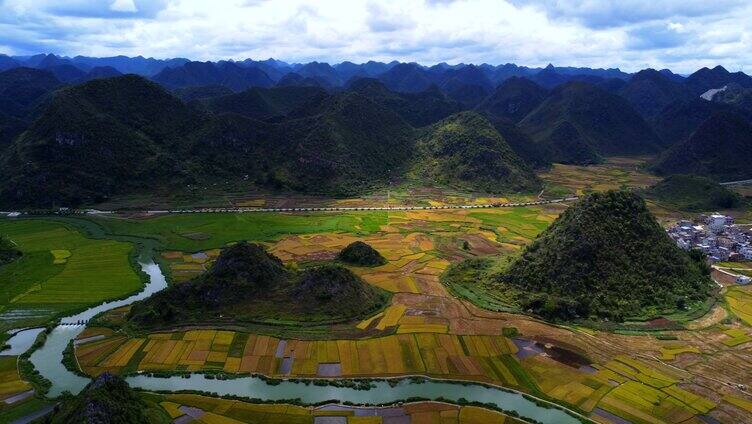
x,y
630,34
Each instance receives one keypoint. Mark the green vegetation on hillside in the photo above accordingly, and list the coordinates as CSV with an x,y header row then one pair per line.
x,y
108,399
247,284
466,150
513,99
721,149
127,136
693,193
264,103
92,140
596,121
605,257
418,109
361,254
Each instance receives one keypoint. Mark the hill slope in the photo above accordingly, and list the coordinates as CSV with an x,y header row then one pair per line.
x,y
418,109
721,148
513,99
603,122
466,150
693,193
247,284
533,154
107,399
101,138
680,119
230,75
650,91
22,88
606,256
706,79
264,103
361,254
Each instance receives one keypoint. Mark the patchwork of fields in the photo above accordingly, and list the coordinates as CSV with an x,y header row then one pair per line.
x,y
627,387
425,330
614,173
208,410
60,271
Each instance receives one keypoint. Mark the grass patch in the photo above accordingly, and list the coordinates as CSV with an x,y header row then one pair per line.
x,y
60,271
178,232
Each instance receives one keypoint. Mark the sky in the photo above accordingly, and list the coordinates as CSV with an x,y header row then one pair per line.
x,y
682,35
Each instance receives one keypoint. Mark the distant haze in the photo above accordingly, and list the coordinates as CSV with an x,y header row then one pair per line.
x,y
629,34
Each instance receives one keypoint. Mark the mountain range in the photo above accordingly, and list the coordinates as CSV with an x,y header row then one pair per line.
x,y
76,131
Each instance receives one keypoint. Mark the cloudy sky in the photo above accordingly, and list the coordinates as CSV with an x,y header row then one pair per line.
x,y
631,34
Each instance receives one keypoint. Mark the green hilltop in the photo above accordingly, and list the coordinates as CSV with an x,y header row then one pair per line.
x,y
248,284
126,135
107,399
465,150
606,257
592,122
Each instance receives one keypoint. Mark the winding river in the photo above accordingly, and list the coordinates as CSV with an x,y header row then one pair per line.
x,y
47,361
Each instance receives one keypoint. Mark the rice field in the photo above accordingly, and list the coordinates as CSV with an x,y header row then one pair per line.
x,y
737,336
424,331
10,381
60,270
739,300
199,231
202,231
478,358
208,410
614,173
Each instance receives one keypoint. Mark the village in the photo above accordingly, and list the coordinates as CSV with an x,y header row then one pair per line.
x,y
718,237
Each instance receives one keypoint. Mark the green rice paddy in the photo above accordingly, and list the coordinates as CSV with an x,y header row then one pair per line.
x,y
201,231
45,282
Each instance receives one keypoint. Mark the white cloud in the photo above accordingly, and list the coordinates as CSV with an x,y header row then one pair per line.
x,y
630,34
123,6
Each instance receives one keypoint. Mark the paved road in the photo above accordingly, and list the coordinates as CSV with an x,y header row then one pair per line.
x,y
313,209
349,209
740,182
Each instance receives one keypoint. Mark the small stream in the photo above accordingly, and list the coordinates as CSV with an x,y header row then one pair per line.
x,y
47,360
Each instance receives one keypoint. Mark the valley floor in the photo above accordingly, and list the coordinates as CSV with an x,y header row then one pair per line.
x,y
694,374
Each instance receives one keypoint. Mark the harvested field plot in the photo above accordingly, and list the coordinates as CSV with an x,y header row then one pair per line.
x,y
217,410
479,358
613,174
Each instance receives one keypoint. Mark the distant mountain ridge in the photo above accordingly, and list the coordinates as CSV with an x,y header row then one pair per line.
x,y
580,123
329,129
721,149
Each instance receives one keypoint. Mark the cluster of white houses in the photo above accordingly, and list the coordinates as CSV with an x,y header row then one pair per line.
x,y
716,236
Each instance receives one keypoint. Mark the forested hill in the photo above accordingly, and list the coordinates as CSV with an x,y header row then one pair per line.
x,y
107,399
466,150
606,257
693,193
584,119
122,135
74,132
248,284
721,149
